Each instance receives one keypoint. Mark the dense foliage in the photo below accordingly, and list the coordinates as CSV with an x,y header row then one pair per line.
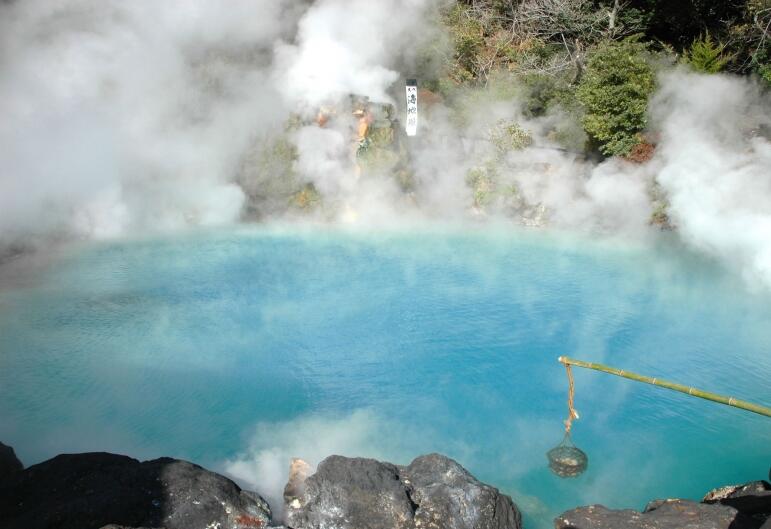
x,y
707,56
583,71
614,90
598,58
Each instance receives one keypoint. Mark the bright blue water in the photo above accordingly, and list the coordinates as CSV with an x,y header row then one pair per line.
x,y
447,340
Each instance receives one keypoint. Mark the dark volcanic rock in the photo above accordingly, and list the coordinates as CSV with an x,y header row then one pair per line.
x,y
432,492
352,493
85,491
667,514
113,526
448,497
9,464
753,499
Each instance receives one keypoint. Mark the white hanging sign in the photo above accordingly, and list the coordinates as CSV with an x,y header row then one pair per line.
x,y
412,107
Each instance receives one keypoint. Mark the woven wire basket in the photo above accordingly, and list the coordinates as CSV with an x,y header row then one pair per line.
x,y
566,460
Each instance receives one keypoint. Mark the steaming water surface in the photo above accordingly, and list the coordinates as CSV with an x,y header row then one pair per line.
x,y
237,349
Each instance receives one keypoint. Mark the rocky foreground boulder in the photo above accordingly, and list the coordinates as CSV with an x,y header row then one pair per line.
x,y
752,499
107,491
432,492
88,491
735,507
9,464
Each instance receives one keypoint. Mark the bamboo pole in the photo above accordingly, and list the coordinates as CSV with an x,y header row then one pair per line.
x,y
730,401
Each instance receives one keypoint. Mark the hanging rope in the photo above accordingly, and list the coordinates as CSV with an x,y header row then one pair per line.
x,y
572,413
566,460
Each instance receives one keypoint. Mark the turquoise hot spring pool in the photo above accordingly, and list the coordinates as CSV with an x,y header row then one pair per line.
x,y
239,349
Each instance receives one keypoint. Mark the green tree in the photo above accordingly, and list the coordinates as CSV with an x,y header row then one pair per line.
x,y
707,56
614,91
764,71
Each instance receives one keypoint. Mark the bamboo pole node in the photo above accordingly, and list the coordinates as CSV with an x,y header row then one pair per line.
x,y
688,390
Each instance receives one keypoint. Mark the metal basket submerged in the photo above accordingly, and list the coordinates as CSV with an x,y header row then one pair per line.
x,y
566,460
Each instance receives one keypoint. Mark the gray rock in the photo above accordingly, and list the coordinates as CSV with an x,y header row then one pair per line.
x,y
194,497
665,514
352,493
9,464
432,492
448,497
299,471
732,491
88,491
753,498
113,526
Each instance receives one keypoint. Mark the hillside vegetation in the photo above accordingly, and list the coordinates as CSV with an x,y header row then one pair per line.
x,y
574,76
598,58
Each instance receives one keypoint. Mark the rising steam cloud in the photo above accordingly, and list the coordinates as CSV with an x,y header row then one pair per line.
x,y
714,162
264,465
123,118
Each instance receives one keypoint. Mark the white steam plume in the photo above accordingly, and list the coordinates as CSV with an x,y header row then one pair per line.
x,y
347,47
714,162
120,116
571,191
124,117
264,466
127,117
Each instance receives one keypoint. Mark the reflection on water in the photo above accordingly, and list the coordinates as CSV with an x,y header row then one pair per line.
x,y
238,350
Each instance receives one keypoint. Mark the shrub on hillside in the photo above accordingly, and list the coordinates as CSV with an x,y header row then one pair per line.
x,y
507,135
306,198
764,71
479,44
482,181
468,40
267,170
706,55
614,91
